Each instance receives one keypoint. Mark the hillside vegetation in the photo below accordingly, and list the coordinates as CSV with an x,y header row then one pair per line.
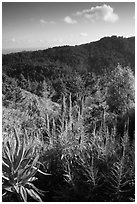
x,y
67,134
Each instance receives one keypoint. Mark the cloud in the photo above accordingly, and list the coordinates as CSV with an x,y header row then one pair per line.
x,y
104,12
42,21
69,20
84,34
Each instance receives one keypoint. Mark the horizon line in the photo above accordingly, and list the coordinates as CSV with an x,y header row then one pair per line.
x,y
31,49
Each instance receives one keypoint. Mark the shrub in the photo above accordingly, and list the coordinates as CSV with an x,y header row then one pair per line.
x,y
20,165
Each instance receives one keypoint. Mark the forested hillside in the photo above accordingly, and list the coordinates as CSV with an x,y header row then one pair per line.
x,y
95,56
69,120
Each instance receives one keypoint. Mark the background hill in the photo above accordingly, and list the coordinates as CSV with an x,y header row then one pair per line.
x,y
92,57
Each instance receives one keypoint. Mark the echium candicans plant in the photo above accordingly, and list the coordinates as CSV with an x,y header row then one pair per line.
x,y
19,167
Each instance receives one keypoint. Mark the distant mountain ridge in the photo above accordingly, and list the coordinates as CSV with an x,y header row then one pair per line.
x,y
91,57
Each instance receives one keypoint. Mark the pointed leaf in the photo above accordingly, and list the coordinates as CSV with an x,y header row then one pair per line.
x,y
4,193
6,178
29,151
8,146
16,187
16,149
18,158
35,161
7,156
4,163
34,195
32,179
5,160
5,168
7,188
46,174
26,136
23,193
36,189
10,150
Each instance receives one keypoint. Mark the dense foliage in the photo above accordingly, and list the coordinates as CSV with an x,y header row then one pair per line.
x,y
65,103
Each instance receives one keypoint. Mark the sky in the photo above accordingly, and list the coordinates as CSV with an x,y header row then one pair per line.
x,y
35,25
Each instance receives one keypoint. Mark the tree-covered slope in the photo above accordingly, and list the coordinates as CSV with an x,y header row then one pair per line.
x,y
91,57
